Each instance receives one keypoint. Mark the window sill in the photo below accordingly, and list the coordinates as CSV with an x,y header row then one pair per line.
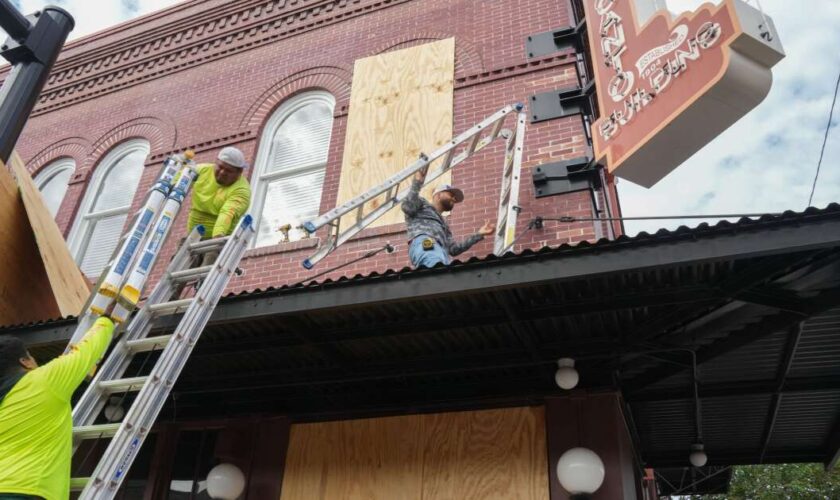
x,y
307,243
376,232
292,246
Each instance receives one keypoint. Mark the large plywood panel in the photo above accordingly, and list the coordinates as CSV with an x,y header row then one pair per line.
x,y
25,292
373,459
65,278
495,454
400,106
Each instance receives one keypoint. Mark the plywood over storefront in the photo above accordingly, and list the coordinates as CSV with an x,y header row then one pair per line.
x,y
493,454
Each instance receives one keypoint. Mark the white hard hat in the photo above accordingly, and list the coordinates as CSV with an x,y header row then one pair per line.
x,y
233,157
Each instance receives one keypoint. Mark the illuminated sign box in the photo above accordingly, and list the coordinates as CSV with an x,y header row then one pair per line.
x,y
667,87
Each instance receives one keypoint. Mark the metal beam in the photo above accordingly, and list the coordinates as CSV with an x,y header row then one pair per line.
x,y
783,300
797,385
737,339
832,456
720,457
787,361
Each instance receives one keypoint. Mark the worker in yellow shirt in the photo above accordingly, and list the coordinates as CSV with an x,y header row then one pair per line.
x,y
36,425
220,196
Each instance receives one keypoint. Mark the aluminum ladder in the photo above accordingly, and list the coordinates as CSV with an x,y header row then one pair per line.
x,y
451,154
174,349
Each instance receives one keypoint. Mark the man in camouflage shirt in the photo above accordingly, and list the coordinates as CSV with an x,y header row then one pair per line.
x,y
430,240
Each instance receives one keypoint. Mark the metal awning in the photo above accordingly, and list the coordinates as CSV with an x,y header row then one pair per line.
x,y
758,301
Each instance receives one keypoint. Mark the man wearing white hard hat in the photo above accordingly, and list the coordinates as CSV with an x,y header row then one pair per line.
x,y
430,241
220,195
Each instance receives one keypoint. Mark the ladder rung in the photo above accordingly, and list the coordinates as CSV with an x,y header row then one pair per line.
x,y
190,274
123,384
148,343
473,143
78,483
165,308
208,245
505,192
96,431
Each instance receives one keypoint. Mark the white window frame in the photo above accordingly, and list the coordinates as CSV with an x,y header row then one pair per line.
x,y
49,172
260,179
81,232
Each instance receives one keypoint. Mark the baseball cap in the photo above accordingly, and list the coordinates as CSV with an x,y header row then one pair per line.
x,y
459,195
233,157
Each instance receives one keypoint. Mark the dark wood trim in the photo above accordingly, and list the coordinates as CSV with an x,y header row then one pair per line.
x,y
268,459
160,470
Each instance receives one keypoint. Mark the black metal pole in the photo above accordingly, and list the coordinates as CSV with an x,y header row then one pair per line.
x,y
32,54
13,21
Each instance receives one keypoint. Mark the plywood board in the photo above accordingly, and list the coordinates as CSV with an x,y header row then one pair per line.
x,y
494,454
68,285
25,292
400,106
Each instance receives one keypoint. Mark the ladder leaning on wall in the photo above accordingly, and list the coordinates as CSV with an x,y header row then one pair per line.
x,y
118,293
451,154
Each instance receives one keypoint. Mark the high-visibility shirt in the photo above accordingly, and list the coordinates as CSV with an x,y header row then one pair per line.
x,y
218,208
36,426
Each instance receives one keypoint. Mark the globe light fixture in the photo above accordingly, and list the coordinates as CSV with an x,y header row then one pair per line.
x,y
580,472
114,412
698,457
225,482
566,377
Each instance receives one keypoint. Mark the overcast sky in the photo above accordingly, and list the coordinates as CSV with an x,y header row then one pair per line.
x,y
764,163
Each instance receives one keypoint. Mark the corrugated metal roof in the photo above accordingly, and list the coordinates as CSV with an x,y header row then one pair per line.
x,y
487,333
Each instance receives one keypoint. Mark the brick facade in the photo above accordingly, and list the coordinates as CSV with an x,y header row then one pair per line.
x,y
207,74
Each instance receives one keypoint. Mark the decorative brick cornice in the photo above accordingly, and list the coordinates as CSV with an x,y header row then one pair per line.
x,y
545,63
162,135
329,78
333,79
198,43
72,147
467,58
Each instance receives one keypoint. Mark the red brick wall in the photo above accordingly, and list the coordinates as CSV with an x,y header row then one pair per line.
x,y
209,75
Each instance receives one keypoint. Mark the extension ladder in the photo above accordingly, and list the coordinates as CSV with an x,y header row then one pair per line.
x,y
154,388
469,143
117,294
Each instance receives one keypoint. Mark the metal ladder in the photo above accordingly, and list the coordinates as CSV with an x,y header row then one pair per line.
x,y
469,143
154,388
509,197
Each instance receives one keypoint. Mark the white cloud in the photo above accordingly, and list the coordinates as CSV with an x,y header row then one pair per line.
x,y
96,15
765,162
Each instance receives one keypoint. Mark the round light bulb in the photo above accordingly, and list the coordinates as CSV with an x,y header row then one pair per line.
x,y
225,482
114,412
566,377
698,457
580,471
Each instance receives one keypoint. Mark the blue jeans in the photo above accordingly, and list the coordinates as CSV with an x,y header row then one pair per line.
x,y
426,258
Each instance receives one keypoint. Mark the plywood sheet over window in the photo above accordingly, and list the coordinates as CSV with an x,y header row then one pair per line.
x,y
400,106
494,454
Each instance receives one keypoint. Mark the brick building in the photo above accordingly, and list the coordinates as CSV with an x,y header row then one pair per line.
x,y
377,381
218,82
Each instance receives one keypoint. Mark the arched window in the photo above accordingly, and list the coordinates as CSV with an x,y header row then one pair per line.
x,y
105,206
52,182
290,166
